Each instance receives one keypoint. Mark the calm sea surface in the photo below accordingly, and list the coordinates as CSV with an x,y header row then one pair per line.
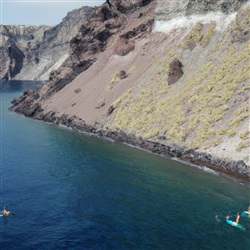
x,y
75,191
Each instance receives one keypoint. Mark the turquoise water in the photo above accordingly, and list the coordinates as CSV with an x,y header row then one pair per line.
x,y
75,191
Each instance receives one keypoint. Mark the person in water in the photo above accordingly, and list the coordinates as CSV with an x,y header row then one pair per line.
x,y
217,218
5,212
248,211
234,223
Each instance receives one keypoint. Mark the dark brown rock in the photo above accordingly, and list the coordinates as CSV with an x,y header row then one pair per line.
x,y
175,71
122,74
77,91
125,6
110,110
16,59
100,104
49,117
28,92
33,110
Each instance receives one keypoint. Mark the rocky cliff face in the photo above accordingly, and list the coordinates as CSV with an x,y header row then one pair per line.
x,y
173,9
175,84
17,43
109,24
32,52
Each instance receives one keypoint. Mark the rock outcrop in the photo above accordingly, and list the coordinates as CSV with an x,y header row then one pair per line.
x,y
32,52
174,9
108,24
175,71
17,48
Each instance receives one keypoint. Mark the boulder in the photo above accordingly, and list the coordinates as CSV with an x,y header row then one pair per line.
x,y
122,74
175,71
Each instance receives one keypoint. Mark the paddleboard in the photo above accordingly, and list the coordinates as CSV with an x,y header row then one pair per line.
x,y
244,214
230,222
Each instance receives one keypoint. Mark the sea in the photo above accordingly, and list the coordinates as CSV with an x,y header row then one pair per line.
x,y
70,190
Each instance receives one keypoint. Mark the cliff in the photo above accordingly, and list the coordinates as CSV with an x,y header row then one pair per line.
x,y
32,52
172,78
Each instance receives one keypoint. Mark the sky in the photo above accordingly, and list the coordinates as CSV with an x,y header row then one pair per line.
x,y
38,12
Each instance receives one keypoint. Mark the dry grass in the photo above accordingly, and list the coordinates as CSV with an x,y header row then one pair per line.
x,y
153,106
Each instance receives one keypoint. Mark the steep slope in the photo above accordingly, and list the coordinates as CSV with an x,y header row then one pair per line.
x,y
208,107
32,52
180,87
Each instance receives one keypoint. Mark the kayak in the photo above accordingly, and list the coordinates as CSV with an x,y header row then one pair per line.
x,y
244,214
230,222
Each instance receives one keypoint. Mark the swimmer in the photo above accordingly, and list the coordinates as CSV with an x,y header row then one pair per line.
x,y
234,223
5,212
248,211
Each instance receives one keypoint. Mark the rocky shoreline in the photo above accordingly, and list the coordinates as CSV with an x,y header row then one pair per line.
x,y
235,169
184,86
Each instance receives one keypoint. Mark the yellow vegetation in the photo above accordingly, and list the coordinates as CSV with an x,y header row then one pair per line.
x,y
114,80
245,135
242,145
207,37
192,111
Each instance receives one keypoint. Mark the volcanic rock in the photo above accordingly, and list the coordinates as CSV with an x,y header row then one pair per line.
x,y
32,52
175,71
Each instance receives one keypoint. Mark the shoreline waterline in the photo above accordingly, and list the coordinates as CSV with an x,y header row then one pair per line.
x,y
234,169
176,154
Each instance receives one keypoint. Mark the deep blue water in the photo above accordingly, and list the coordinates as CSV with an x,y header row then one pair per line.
x,y
76,191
